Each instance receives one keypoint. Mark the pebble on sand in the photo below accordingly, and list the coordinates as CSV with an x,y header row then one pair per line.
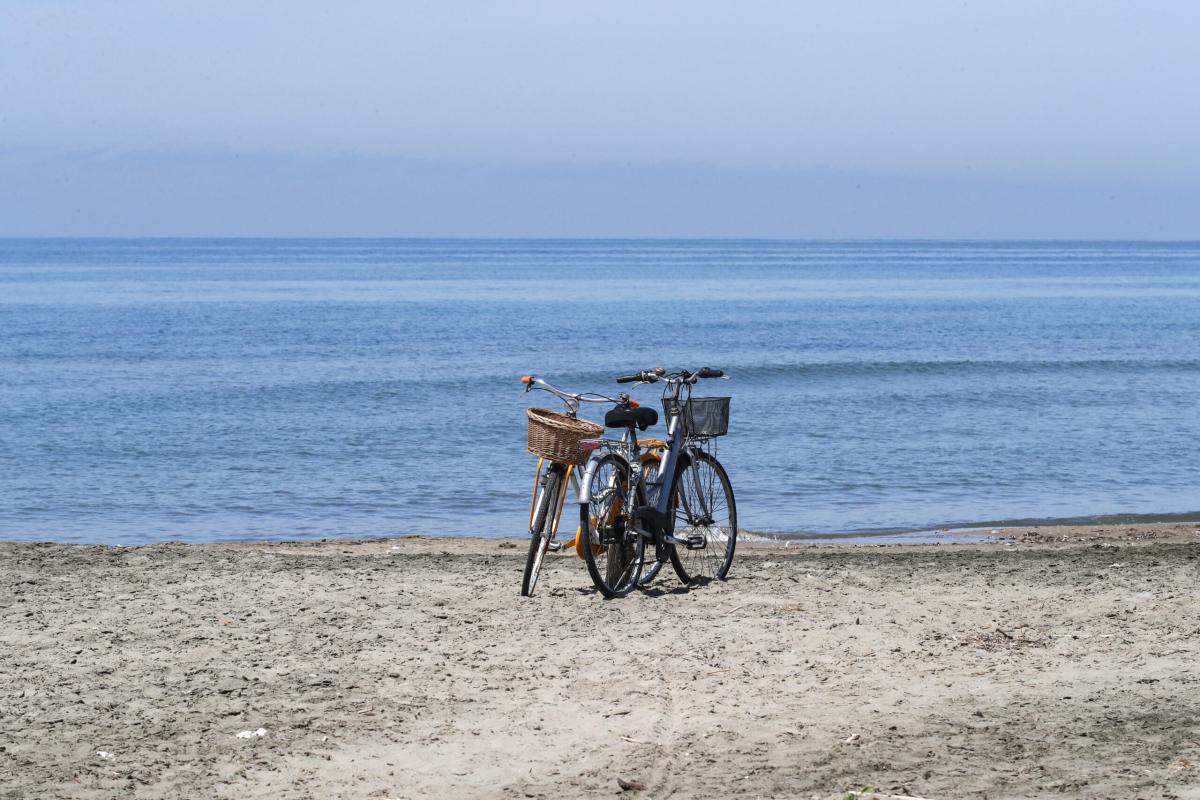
x,y
252,734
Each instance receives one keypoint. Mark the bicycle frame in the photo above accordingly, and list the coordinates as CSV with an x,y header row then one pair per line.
x,y
678,447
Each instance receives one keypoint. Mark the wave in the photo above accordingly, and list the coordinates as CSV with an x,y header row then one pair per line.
x,y
960,530
957,366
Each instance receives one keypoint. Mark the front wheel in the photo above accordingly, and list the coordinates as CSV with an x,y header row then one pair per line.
x,y
541,530
702,510
612,550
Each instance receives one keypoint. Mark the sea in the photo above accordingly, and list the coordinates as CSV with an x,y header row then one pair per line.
x,y
232,389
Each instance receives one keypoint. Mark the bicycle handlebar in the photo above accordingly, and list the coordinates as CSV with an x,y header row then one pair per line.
x,y
645,376
640,377
703,372
683,376
572,399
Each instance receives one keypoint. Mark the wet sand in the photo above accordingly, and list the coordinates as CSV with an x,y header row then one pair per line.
x,y
1064,662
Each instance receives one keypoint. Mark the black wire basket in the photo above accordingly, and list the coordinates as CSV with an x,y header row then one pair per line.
x,y
702,417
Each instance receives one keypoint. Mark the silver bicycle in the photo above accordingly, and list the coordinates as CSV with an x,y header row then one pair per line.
x,y
685,510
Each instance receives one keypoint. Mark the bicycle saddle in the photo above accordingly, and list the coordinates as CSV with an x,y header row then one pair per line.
x,y
624,417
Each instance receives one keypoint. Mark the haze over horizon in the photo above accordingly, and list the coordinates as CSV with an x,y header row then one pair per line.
x,y
861,120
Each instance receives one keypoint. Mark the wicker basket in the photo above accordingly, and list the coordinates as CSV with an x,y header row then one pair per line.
x,y
556,436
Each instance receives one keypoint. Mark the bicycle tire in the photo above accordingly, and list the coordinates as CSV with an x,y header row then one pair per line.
x,y
613,553
539,533
703,474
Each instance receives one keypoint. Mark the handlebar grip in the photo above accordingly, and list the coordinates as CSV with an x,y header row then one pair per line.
x,y
645,376
709,372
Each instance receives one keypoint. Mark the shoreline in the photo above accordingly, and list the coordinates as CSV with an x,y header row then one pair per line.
x,y
1056,661
957,533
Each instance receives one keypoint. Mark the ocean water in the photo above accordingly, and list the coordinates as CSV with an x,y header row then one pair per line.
x,y
228,389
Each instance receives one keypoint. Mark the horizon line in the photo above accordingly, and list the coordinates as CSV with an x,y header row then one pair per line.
x,y
774,239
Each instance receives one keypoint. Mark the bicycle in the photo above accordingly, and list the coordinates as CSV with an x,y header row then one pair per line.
x,y
686,510
556,439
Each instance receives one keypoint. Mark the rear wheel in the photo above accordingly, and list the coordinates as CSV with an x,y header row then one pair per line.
x,y
612,550
541,530
702,510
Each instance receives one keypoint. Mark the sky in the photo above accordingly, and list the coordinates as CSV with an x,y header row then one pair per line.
x,y
917,119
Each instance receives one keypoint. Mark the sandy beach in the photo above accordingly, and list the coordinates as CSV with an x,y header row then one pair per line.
x,y
1061,662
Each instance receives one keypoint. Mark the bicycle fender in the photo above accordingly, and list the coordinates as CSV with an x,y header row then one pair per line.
x,y
585,483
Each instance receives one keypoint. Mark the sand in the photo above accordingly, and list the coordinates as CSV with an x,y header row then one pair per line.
x,y
1062,663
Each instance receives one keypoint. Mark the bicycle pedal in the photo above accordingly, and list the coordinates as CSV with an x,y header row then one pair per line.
x,y
554,547
696,542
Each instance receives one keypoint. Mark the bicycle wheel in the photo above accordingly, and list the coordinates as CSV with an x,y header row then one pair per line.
x,y
612,550
702,510
541,530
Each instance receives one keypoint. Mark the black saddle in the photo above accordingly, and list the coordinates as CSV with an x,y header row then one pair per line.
x,y
624,417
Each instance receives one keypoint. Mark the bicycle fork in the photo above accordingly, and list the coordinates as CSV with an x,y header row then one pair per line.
x,y
549,499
